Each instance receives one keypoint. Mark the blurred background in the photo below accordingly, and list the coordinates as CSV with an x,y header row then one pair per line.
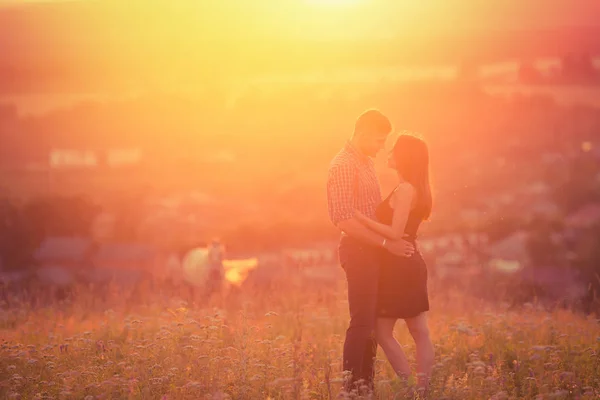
x,y
134,131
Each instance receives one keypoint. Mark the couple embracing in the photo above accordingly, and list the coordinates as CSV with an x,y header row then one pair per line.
x,y
386,275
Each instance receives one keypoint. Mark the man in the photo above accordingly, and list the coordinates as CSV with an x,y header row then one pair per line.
x,y
353,185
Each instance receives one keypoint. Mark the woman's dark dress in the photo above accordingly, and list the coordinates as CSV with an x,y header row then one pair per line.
x,y
402,280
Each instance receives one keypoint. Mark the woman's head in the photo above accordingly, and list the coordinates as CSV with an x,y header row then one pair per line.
x,y
410,158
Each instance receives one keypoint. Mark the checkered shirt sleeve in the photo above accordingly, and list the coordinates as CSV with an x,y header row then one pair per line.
x,y
340,192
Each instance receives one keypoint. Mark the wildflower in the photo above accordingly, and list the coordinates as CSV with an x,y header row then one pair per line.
x,y
193,385
566,375
220,396
500,396
559,394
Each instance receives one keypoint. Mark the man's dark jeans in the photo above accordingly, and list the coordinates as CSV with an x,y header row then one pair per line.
x,y
361,263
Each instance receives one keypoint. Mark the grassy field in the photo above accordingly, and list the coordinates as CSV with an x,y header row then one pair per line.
x,y
284,344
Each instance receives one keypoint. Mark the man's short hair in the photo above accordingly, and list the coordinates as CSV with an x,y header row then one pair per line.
x,y
373,122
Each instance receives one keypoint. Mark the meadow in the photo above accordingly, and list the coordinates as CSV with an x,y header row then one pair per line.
x,y
284,343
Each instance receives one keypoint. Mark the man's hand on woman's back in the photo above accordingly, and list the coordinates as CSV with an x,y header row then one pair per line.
x,y
400,247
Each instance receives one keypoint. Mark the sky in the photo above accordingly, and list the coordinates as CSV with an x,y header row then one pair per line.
x,y
385,17
474,13
104,37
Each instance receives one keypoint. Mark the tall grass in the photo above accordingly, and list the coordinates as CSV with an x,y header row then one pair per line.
x,y
283,343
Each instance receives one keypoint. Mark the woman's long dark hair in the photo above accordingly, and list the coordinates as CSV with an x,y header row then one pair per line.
x,y
412,162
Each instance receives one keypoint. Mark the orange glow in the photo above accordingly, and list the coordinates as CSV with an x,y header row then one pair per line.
x,y
236,271
188,119
139,46
196,268
334,3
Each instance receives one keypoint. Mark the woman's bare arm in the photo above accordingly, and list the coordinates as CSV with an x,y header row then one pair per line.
x,y
402,201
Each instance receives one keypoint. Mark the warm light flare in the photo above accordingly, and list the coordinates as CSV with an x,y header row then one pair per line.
x,y
236,271
196,268
334,3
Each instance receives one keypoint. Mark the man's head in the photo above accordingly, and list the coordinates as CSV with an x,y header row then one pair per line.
x,y
370,132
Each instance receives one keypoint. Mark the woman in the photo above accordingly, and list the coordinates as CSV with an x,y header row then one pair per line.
x,y
403,281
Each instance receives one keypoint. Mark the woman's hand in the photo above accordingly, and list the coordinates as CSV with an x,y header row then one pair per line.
x,y
359,215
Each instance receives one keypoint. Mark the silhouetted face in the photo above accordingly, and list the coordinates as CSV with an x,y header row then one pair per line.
x,y
371,143
391,158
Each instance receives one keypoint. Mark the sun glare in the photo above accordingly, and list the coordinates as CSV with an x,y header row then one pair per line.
x,y
334,3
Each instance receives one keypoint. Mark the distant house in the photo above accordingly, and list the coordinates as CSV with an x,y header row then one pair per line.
x,y
585,217
510,251
538,188
124,255
123,263
13,277
553,158
61,259
442,242
72,158
472,216
64,250
545,208
264,258
450,259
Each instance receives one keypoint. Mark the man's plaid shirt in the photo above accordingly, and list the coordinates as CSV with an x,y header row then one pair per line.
x,y
352,184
